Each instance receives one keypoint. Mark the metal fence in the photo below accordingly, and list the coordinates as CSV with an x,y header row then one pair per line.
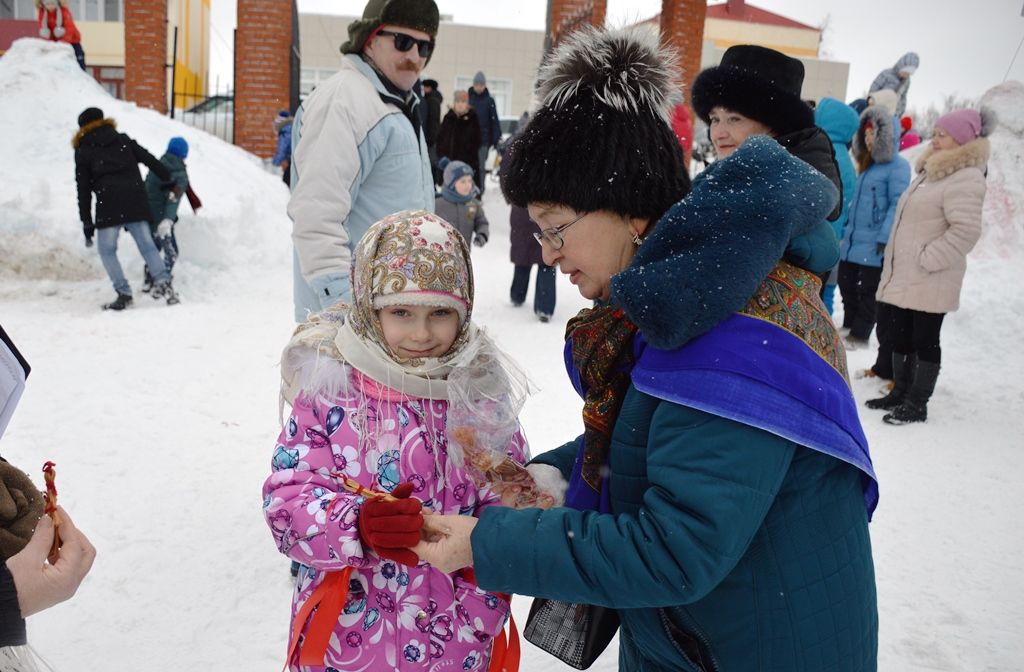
x,y
195,103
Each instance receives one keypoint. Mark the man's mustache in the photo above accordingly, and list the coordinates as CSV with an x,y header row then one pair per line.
x,y
408,66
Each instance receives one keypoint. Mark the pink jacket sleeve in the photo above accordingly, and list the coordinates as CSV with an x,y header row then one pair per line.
x,y
313,520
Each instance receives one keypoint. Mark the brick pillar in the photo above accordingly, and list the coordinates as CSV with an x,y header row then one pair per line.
x,y
145,53
565,16
262,44
682,28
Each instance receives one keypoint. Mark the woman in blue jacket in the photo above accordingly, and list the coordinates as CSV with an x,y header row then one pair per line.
x,y
718,497
883,177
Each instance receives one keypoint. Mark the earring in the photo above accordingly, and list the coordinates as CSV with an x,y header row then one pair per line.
x,y
636,239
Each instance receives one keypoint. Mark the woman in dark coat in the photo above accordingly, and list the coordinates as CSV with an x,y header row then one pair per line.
x,y
719,494
459,137
525,254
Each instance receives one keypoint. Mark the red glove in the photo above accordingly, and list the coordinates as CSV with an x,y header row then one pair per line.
x,y
390,528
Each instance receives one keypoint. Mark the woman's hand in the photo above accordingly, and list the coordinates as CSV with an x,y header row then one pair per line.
x,y
41,585
445,542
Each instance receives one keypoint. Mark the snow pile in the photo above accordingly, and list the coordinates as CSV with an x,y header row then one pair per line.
x,y
242,224
1004,202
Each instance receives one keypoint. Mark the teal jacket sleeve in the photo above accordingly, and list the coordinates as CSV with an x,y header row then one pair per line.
x,y
711,483
561,458
816,251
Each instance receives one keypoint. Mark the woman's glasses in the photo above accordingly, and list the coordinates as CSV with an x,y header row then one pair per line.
x,y
405,42
553,236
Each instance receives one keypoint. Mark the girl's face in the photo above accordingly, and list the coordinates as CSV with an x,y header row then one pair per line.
x,y
729,129
596,247
461,105
416,332
942,140
464,185
869,137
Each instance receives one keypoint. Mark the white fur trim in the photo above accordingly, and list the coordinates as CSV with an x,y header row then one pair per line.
x,y
420,298
550,481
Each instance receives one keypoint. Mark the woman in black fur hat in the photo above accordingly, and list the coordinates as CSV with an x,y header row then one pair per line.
x,y
718,495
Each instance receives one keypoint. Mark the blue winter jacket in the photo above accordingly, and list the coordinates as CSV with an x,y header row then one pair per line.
x,y
877,192
726,546
284,145
840,121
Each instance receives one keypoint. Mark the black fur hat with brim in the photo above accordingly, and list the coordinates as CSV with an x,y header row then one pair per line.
x,y
759,83
419,15
601,139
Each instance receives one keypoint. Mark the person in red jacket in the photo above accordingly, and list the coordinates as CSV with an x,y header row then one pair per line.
x,y
57,25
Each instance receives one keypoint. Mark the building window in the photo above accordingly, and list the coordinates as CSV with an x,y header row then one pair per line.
x,y
95,10
311,78
24,10
500,90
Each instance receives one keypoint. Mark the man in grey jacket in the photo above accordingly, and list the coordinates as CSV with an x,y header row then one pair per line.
x,y
359,149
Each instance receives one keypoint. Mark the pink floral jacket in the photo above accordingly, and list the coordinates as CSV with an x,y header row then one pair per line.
x,y
396,617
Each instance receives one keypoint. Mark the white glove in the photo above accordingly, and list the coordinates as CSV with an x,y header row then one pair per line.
x,y
163,229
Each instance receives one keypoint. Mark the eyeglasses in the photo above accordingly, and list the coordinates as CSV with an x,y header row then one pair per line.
x,y
553,236
405,42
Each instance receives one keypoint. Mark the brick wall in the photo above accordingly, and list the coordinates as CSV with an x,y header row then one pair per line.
x,y
145,53
262,46
569,15
682,28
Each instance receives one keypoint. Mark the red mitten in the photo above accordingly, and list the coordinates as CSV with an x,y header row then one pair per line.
x,y
392,527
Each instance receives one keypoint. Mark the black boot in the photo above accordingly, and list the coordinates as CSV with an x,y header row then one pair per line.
x,y
915,405
147,280
902,374
120,303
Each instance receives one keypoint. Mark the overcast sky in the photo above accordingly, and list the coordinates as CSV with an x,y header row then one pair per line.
x,y
966,46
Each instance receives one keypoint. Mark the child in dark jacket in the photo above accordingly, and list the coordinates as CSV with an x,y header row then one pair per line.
x,y
164,202
458,204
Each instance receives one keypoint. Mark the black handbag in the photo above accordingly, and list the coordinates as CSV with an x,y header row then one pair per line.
x,y
574,633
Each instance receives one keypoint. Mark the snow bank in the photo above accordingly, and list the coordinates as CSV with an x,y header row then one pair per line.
x,y
242,224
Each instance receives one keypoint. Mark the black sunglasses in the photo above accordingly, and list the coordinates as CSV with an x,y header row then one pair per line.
x,y
405,42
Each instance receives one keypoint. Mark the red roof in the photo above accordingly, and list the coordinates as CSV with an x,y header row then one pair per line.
x,y
753,14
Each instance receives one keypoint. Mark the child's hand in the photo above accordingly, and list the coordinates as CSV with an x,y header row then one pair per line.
x,y
392,527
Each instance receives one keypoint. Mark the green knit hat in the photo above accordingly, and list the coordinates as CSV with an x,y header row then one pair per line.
x,y
415,14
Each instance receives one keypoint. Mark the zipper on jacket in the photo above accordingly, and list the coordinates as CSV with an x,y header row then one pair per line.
x,y
892,234
691,630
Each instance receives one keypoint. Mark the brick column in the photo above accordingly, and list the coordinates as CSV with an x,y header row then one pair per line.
x,y
262,44
145,53
565,16
682,28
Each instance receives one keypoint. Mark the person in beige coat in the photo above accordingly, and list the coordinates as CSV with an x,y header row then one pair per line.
x,y
938,221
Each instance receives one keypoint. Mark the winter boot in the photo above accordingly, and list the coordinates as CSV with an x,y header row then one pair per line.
x,y
915,405
902,374
147,281
120,303
165,291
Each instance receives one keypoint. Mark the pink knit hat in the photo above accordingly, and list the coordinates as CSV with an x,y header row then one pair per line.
x,y
962,125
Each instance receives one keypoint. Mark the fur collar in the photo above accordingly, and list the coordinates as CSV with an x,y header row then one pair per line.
x,y
885,134
940,164
90,127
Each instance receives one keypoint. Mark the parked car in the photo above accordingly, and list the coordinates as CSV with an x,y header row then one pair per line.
x,y
215,115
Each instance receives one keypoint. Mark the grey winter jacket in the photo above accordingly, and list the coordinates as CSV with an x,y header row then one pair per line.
x,y
468,218
890,79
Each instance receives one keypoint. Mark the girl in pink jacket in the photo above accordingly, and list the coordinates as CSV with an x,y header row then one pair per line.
x,y
379,392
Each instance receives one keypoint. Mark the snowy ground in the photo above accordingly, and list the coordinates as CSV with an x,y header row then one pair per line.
x,y
162,419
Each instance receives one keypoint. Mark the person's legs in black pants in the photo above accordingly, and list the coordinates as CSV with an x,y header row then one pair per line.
x,y
882,367
520,283
867,285
899,332
848,291
923,338
544,292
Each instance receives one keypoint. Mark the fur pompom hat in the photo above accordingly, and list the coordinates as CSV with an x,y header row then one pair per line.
x,y
416,14
601,139
967,124
759,83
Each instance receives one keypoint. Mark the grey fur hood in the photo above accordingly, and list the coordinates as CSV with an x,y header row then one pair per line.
x,y
885,134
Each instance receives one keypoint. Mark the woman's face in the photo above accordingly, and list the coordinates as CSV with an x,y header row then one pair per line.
x,y
596,247
729,129
942,140
869,137
461,104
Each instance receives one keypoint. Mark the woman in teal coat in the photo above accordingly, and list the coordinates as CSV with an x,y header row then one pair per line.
x,y
719,495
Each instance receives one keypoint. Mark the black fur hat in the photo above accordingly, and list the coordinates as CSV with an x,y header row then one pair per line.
x,y
759,83
89,115
601,138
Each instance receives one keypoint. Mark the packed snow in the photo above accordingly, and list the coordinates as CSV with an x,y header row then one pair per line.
x,y
162,419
